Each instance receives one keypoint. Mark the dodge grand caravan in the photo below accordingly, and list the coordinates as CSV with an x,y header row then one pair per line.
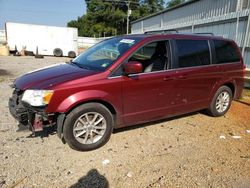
x,y
129,80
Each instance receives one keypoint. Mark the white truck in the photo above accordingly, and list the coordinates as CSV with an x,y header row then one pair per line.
x,y
41,39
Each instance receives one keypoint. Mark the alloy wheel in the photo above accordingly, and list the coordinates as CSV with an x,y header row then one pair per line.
x,y
89,128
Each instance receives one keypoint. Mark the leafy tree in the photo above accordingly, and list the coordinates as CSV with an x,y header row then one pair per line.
x,y
173,3
108,17
154,6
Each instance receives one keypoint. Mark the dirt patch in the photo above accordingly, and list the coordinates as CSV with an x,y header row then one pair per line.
x,y
194,150
4,72
245,97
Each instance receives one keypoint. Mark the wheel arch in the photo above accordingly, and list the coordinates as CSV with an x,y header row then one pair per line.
x,y
61,117
108,105
231,85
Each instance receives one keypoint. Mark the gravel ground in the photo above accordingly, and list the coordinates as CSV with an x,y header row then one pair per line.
x,y
194,150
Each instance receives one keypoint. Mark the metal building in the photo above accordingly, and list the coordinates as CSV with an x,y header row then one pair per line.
x,y
227,18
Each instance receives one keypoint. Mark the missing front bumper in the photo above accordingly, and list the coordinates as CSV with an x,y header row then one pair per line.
x,y
35,118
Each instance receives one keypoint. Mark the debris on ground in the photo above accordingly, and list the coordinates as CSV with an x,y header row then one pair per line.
x,y
130,174
105,162
245,157
222,137
236,137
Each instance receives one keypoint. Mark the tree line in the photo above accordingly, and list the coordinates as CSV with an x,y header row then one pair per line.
x,y
109,17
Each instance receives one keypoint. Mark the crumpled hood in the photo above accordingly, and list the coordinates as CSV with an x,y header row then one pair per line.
x,y
50,76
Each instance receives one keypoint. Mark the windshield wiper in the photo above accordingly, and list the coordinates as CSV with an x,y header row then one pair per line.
x,y
79,65
74,63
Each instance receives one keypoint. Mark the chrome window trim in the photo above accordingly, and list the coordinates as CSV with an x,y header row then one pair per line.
x,y
175,69
210,52
206,65
112,77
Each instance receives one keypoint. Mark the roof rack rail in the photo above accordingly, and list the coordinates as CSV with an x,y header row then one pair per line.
x,y
204,34
167,31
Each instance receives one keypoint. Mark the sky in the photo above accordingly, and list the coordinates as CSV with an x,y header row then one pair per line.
x,y
43,12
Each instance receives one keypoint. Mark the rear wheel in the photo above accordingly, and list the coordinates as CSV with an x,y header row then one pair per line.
x,y
58,52
72,54
221,102
88,127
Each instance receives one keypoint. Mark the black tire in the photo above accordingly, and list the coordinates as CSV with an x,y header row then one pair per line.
x,y
57,52
39,56
212,108
73,116
72,54
17,54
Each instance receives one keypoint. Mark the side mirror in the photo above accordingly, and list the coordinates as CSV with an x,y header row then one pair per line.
x,y
132,67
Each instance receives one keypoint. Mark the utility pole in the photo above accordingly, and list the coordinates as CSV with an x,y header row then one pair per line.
x,y
129,11
128,14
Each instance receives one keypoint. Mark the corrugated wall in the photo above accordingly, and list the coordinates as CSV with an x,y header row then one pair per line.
x,y
247,58
137,27
152,23
199,10
227,30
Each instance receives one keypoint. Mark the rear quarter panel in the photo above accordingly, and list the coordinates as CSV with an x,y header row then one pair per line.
x,y
234,73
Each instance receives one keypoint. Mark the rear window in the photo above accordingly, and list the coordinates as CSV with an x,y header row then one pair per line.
x,y
225,52
193,53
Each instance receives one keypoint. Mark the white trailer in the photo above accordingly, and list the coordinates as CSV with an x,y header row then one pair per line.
x,y
47,40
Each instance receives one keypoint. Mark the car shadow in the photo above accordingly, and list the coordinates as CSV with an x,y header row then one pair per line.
x,y
164,120
46,132
243,102
93,179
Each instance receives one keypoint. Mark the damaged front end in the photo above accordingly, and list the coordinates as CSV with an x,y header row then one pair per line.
x,y
34,117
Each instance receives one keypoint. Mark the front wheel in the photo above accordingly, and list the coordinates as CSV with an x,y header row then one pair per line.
x,y
221,102
88,127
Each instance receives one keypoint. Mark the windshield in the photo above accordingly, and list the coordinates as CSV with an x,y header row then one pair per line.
x,y
105,53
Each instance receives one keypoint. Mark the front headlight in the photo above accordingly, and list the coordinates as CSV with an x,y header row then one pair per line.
x,y
37,97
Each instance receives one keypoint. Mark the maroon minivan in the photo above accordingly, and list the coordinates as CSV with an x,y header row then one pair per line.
x,y
129,80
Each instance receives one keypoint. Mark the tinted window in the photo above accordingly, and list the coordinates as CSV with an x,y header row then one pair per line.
x,y
225,52
193,53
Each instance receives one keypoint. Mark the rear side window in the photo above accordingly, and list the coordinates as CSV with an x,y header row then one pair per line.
x,y
225,52
192,53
